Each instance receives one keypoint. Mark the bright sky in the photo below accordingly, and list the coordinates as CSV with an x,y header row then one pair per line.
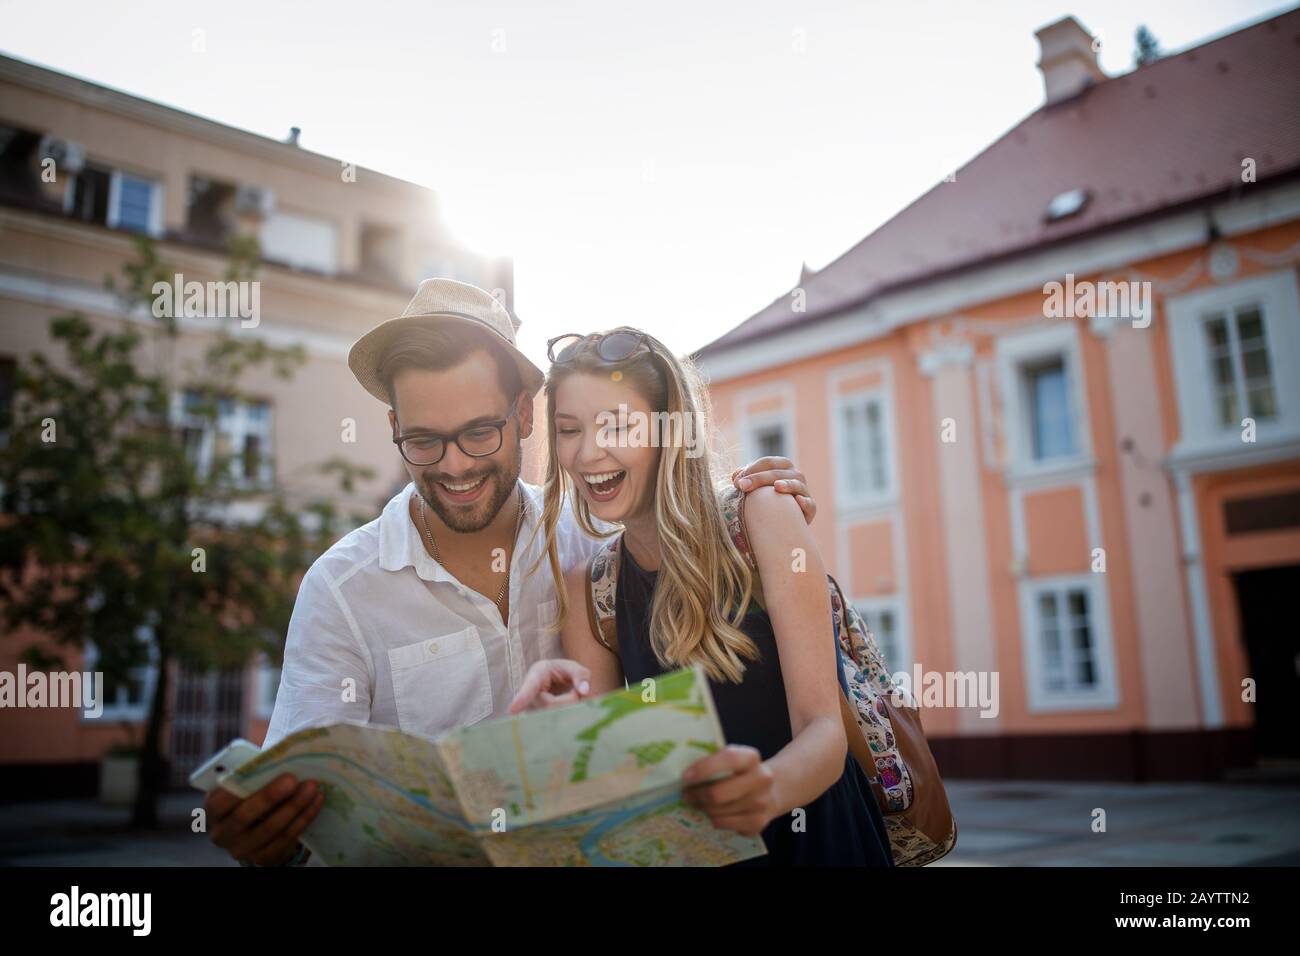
x,y
667,165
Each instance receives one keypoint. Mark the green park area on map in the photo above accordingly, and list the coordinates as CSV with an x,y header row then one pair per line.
x,y
596,783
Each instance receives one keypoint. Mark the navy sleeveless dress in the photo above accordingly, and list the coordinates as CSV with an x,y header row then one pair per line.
x,y
843,826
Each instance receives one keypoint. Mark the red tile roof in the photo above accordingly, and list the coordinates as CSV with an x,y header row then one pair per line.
x,y
1169,133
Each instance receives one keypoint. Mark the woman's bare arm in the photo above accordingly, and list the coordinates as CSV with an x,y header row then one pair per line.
x,y
797,602
580,644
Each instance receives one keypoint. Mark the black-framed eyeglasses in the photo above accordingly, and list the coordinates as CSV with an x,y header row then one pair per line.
x,y
617,346
478,440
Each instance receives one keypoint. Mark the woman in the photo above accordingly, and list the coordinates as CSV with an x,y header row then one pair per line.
x,y
683,598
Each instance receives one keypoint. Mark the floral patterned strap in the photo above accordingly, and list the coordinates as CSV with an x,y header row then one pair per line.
x,y
732,501
602,589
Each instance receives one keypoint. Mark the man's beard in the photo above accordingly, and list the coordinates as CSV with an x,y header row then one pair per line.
x,y
465,520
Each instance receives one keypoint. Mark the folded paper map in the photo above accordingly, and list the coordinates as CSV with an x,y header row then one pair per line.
x,y
597,783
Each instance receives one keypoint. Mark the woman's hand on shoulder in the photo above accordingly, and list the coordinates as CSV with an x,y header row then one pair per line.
x,y
775,471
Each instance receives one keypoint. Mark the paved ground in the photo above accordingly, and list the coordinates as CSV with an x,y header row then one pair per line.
x,y
1028,823
85,833
1001,823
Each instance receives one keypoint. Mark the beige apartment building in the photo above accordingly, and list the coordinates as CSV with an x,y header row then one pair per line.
x,y
342,247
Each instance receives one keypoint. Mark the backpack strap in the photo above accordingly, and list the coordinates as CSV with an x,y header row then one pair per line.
x,y
732,500
602,572
602,589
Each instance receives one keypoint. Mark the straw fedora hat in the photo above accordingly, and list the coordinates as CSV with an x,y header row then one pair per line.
x,y
439,301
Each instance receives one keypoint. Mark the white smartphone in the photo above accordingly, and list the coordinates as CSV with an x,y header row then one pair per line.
x,y
230,758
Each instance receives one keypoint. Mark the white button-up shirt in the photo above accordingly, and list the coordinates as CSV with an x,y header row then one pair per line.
x,y
383,633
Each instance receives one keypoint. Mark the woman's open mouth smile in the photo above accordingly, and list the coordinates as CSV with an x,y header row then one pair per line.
x,y
604,485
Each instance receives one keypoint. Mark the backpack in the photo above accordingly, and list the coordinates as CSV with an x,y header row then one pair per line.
x,y
881,720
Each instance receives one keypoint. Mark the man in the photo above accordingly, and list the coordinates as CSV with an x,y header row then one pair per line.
x,y
427,618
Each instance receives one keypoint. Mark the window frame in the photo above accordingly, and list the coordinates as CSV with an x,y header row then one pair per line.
x,y
265,479
275,253
760,423
1018,353
1028,376
266,685
894,604
1278,299
147,673
860,496
1105,694
112,216
747,425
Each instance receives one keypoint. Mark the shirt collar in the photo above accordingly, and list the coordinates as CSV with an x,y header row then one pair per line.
x,y
401,545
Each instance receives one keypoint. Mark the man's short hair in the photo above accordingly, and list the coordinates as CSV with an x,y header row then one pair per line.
x,y
438,347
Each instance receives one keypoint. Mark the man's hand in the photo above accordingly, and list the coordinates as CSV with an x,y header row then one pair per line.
x,y
552,683
782,475
264,828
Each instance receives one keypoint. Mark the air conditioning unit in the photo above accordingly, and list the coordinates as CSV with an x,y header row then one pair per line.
x,y
69,157
254,201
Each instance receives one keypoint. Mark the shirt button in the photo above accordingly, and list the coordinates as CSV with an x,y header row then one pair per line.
x,y
433,647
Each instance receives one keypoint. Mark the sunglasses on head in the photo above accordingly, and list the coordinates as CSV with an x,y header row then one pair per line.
x,y
609,346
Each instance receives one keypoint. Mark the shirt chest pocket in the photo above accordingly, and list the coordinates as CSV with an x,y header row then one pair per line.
x,y
441,683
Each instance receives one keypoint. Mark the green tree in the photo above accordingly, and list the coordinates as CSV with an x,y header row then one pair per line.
x,y
111,531
1146,48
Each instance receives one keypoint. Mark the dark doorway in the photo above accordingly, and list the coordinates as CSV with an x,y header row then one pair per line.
x,y
1271,630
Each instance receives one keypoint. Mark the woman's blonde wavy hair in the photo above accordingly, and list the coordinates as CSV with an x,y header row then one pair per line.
x,y
704,586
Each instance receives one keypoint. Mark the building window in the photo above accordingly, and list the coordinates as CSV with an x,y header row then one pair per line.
x,y
134,204
1241,379
88,198
768,440
381,253
1046,391
864,443
882,620
1236,355
116,199
127,699
765,422
301,242
1039,382
1064,631
210,211
1047,402
268,685
1068,650
239,436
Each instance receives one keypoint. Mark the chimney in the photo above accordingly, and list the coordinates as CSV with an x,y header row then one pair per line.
x,y
1068,61
294,133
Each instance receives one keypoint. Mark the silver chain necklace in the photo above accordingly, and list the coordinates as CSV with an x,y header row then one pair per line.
x,y
433,545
